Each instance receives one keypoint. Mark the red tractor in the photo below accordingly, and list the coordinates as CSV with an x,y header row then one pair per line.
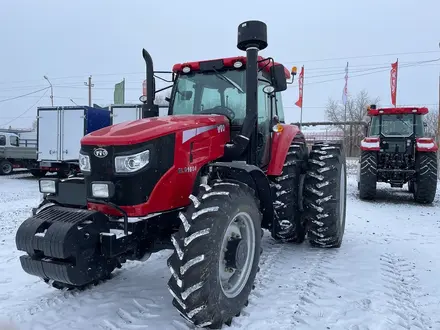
x,y
204,181
396,151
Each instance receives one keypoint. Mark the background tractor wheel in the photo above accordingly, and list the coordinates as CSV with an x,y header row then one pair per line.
x,y
425,185
325,195
288,196
217,251
368,175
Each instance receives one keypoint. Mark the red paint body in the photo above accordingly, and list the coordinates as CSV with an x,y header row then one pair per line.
x,y
397,111
280,146
173,188
370,144
426,145
229,62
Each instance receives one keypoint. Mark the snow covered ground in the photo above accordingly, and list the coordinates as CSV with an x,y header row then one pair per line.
x,y
385,276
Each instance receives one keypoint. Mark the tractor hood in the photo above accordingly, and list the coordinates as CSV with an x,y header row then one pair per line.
x,y
138,131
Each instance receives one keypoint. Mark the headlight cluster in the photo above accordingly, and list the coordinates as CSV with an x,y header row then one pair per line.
x,y
123,164
132,163
84,163
103,189
48,186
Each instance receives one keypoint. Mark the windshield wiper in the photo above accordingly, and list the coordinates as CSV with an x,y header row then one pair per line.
x,y
230,81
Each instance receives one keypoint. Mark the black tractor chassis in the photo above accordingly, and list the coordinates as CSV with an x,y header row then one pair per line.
x,y
76,247
396,161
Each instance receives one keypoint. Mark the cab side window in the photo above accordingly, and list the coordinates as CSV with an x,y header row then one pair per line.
x,y
263,107
279,107
2,140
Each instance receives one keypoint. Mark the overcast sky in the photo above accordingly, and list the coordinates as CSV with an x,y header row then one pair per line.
x,y
70,40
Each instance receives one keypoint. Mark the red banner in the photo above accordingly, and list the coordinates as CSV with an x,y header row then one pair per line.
x,y
393,81
299,103
144,87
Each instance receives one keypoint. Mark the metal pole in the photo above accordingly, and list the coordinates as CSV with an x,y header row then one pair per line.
x,y
302,100
90,85
51,89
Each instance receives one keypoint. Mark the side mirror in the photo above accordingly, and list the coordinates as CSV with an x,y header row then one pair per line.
x,y
278,78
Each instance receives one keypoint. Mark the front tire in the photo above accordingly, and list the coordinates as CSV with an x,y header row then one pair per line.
x,y
325,195
6,167
368,175
218,242
425,185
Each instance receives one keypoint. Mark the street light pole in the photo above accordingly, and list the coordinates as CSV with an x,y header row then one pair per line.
x,y
51,89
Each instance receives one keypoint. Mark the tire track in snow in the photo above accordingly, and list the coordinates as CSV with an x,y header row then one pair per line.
x,y
298,272
129,300
400,280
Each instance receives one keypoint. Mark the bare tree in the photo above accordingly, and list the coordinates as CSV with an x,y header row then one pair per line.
x,y
160,98
431,120
356,108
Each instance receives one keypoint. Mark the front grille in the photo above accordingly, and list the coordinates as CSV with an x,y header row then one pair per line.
x,y
131,188
391,145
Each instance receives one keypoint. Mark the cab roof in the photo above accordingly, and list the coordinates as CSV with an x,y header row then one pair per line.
x,y
229,62
397,111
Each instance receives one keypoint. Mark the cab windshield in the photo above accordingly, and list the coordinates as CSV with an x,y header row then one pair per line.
x,y
197,93
397,125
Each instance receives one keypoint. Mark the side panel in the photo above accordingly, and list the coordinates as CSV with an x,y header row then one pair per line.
x,y
48,135
123,114
280,146
71,133
19,153
96,119
194,148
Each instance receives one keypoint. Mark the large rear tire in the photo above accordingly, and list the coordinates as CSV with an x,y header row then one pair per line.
x,y
325,195
291,225
425,185
217,251
368,175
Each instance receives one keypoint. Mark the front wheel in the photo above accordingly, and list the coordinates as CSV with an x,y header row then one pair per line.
x,y
6,167
217,251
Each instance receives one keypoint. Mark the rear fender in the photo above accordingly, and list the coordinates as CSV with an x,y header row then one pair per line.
x,y
426,145
255,178
281,142
370,144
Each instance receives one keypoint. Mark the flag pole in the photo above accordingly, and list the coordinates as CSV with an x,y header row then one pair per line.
x,y
302,101
397,68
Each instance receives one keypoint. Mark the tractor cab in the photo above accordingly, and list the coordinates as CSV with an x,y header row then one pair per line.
x,y
219,87
396,122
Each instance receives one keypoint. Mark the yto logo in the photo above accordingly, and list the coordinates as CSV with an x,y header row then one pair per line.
x,y
100,153
221,128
